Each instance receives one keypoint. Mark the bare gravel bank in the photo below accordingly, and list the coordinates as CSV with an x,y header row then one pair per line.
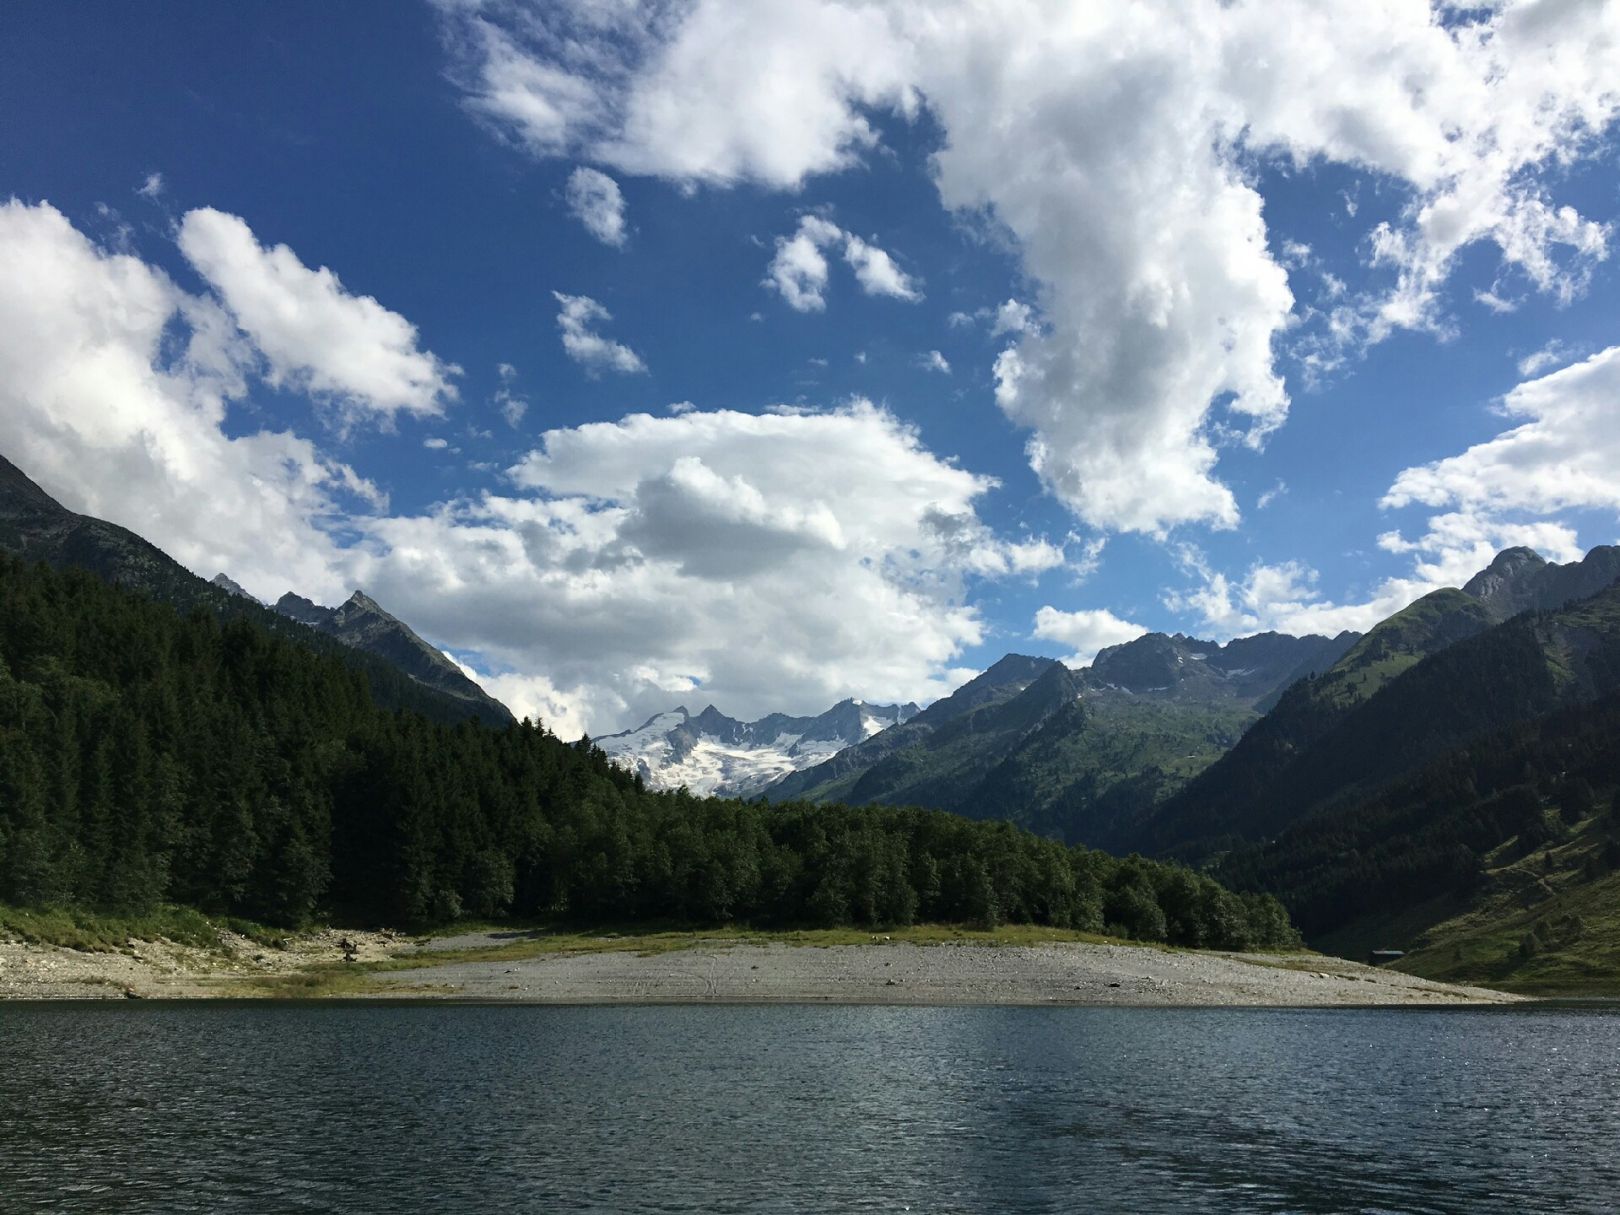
x,y
900,973
726,972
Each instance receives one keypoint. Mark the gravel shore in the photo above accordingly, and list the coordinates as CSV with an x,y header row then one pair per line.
x,y
723,972
898,973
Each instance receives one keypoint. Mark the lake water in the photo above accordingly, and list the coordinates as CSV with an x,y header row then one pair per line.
x,y
401,1108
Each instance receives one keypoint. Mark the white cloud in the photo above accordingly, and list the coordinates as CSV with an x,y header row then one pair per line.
x,y
436,444
1264,596
710,92
762,561
1564,455
1285,596
1012,317
876,272
511,403
1550,355
595,200
315,336
934,361
587,347
1116,145
152,187
798,272
1086,631
1271,495
100,406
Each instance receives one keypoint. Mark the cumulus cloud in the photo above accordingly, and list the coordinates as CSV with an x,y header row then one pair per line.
x,y
152,187
1086,631
762,561
798,272
876,272
109,414
1116,146
714,93
1265,595
595,200
592,351
315,336
934,361
1565,453
1012,317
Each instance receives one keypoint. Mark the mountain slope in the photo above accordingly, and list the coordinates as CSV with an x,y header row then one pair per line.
x,y
35,527
362,624
1323,733
1150,715
1059,751
1228,798
900,754
1497,862
715,754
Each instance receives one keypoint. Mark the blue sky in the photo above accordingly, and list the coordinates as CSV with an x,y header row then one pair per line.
x,y
1312,311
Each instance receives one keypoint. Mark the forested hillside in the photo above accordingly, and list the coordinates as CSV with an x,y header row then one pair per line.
x,y
148,757
1324,744
37,528
1236,798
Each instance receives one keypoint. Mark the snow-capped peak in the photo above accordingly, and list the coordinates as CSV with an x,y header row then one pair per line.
x,y
713,753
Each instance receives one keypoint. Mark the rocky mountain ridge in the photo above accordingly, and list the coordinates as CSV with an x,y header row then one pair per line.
x,y
710,753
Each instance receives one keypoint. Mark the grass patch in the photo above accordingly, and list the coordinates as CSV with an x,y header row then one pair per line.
x,y
1567,942
543,941
110,932
327,980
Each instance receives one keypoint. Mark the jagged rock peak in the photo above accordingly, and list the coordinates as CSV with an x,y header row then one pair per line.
x,y
229,585
1520,579
361,603
1508,564
298,608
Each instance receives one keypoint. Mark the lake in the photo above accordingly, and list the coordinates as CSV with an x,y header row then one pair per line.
x,y
406,1107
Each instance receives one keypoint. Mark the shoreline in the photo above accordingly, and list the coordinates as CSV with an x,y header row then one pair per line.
x,y
509,967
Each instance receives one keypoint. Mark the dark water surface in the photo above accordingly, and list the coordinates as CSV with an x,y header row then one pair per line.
x,y
263,1107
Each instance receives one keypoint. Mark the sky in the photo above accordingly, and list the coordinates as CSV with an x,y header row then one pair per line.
x,y
763,354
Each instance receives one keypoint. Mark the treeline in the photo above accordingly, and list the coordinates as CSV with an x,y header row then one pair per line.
x,y
148,757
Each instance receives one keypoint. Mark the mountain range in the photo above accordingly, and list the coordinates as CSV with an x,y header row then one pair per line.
x,y
1059,750
405,672
715,754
